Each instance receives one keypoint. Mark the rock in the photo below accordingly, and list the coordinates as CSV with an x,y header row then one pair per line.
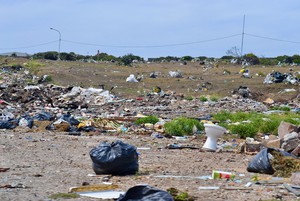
x,y
269,101
285,128
296,151
295,178
291,136
290,144
253,146
274,143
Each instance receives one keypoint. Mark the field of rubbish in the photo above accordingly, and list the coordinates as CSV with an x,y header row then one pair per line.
x,y
153,131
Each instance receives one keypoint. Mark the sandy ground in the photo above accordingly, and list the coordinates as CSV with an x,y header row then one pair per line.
x,y
42,164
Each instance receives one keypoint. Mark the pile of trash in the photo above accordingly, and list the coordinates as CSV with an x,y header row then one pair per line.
x,y
277,77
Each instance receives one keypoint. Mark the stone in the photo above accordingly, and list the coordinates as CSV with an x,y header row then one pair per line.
x,y
291,136
286,128
251,147
274,143
296,151
269,101
290,144
295,178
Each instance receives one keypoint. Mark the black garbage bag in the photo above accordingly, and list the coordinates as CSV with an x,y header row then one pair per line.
x,y
145,193
261,162
43,116
71,120
87,129
117,158
9,124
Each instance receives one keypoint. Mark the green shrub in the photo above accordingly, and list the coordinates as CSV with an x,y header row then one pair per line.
x,y
149,119
222,116
270,126
203,99
244,130
189,98
281,108
182,126
214,98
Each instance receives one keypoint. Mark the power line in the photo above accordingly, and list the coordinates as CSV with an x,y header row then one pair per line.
x,y
152,46
274,39
24,47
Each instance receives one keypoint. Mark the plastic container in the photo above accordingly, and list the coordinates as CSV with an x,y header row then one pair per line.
x,y
222,175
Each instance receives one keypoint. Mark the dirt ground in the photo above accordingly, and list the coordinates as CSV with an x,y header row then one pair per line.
x,y
42,164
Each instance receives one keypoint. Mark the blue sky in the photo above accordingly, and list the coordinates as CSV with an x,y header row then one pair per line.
x,y
151,28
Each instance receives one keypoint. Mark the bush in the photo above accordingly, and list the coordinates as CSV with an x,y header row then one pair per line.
x,y
182,126
189,98
149,119
281,108
214,98
244,130
203,99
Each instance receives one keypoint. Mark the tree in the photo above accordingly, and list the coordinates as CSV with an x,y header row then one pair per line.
x,y
129,58
187,58
234,51
296,59
251,59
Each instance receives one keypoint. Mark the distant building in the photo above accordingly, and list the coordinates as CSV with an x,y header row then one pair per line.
x,y
15,54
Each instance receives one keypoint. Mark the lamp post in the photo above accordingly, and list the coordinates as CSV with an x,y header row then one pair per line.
x,y
59,40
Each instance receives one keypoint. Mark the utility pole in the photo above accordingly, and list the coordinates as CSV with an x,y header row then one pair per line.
x,y
59,40
243,33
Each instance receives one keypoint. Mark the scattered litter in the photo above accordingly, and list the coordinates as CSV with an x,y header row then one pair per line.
x,y
248,184
4,169
175,74
178,146
131,78
184,177
208,187
222,175
143,148
103,194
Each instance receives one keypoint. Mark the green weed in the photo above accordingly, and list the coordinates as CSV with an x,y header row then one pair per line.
x,y
189,98
149,119
244,130
182,126
203,99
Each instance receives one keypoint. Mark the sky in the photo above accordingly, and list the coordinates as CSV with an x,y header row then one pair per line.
x,y
151,28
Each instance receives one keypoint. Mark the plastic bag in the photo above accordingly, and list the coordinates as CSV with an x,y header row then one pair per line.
x,y
26,121
71,120
117,158
43,116
145,193
9,124
261,162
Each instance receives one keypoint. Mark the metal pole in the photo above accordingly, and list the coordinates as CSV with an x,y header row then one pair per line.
x,y
59,40
242,45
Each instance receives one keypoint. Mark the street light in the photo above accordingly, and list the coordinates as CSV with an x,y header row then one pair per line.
x,y
59,40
